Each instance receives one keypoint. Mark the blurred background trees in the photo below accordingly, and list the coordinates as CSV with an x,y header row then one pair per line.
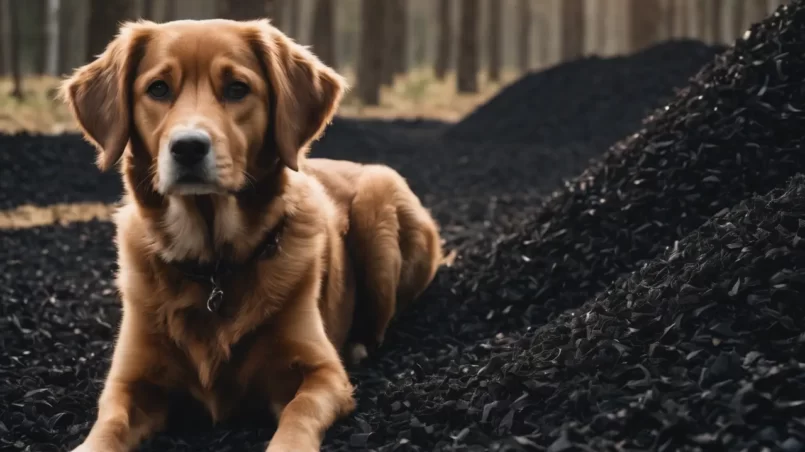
x,y
467,43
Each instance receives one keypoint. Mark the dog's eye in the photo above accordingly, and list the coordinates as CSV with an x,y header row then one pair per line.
x,y
236,91
158,90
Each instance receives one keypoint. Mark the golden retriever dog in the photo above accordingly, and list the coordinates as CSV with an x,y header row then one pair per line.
x,y
249,274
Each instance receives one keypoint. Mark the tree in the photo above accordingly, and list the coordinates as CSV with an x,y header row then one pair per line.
x,y
572,18
293,19
738,18
242,9
467,65
644,19
324,31
396,23
12,11
494,40
5,36
105,17
717,10
52,26
371,51
66,45
445,39
524,35
171,12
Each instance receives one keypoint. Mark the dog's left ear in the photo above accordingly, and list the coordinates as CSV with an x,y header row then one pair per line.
x,y
307,91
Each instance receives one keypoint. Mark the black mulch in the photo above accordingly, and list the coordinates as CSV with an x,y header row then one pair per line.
x,y
469,366
703,347
538,107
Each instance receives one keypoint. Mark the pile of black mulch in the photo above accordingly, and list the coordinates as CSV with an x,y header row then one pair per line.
x,y
586,93
702,348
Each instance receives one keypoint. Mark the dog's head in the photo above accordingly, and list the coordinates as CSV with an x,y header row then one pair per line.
x,y
206,102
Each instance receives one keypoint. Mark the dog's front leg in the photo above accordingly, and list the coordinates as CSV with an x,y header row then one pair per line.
x,y
129,409
325,395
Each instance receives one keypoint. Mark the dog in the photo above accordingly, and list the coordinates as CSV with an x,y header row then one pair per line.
x,y
249,274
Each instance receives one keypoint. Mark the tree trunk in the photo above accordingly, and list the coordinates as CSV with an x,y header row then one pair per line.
x,y
12,11
40,35
171,10
52,21
371,51
445,39
755,11
738,17
467,65
293,19
715,20
572,17
148,9
104,19
242,9
524,35
324,31
494,40
273,11
395,23
66,45
5,36
644,18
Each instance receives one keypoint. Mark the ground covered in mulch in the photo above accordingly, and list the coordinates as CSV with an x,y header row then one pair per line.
x,y
650,303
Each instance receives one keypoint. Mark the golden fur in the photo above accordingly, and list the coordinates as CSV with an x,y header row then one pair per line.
x,y
355,243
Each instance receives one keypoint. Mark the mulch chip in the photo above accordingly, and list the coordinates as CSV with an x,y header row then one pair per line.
x,y
649,303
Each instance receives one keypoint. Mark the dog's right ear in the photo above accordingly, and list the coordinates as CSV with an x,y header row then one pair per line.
x,y
98,94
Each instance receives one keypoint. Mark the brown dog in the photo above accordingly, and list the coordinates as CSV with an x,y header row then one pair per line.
x,y
240,261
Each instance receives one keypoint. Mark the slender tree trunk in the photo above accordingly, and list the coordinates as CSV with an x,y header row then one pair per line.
x,y
644,18
104,19
716,13
395,24
148,9
12,11
738,18
524,35
293,19
494,40
572,15
66,45
52,24
5,36
324,31
755,10
371,51
171,10
242,9
277,14
445,37
467,66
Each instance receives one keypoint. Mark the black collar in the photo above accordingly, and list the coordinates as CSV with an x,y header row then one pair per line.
x,y
214,273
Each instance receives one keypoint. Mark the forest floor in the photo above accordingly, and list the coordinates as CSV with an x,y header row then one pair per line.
x,y
417,94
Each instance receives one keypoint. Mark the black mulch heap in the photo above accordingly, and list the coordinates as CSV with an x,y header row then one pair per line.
x,y
636,308
537,107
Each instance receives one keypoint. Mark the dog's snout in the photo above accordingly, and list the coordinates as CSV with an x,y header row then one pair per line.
x,y
190,147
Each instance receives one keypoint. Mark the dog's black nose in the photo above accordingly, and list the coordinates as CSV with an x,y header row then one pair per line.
x,y
190,148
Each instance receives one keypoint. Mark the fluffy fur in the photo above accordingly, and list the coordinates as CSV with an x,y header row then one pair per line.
x,y
355,244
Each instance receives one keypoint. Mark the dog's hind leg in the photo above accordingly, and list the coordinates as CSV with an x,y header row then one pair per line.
x,y
396,249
